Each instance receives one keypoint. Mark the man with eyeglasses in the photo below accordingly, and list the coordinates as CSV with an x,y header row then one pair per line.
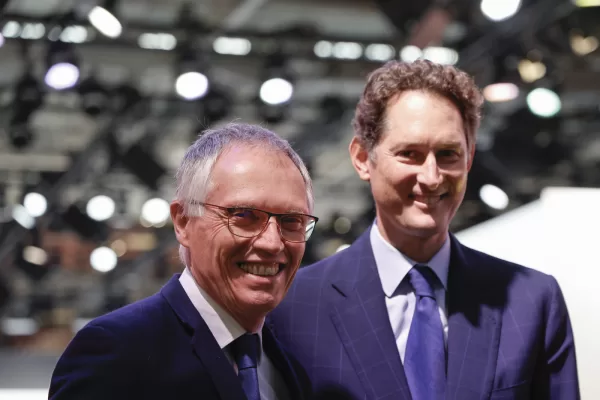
x,y
242,217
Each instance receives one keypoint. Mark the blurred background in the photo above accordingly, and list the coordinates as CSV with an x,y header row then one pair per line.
x,y
100,99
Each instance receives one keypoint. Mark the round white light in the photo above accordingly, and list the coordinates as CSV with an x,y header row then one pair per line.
x,y
410,53
62,76
156,211
100,208
106,23
35,204
543,102
191,85
500,92
103,259
276,91
499,10
494,197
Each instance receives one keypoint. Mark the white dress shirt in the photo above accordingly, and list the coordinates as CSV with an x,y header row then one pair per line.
x,y
225,329
400,299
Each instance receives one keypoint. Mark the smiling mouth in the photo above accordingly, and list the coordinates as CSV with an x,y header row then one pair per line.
x,y
264,269
429,200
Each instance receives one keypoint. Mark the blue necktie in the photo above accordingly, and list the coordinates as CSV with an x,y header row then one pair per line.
x,y
425,356
245,352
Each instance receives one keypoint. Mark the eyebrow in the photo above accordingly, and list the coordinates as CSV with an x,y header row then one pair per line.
x,y
289,211
444,145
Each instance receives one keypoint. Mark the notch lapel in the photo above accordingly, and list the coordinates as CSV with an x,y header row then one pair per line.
x,y
203,343
279,359
474,322
362,322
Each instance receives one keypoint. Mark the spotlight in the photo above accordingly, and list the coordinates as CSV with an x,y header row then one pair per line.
x,y
191,83
277,87
35,204
105,21
63,68
276,91
103,259
155,211
100,208
543,102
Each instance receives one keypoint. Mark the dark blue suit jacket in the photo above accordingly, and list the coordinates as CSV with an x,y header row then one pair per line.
x,y
158,348
509,332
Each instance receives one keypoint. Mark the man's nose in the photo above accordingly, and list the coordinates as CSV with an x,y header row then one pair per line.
x,y
270,239
429,174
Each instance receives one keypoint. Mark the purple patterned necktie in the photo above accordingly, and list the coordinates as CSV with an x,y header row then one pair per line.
x,y
425,356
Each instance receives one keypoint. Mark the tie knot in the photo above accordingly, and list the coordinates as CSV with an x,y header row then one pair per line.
x,y
245,350
421,279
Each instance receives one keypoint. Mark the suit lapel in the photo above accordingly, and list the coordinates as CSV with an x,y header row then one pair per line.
x,y
203,343
275,353
362,322
474,323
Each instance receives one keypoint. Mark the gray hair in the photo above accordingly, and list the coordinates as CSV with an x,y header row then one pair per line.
x,y
194,174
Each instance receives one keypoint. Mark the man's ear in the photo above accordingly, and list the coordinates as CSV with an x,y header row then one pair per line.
x,y
360,159
180,223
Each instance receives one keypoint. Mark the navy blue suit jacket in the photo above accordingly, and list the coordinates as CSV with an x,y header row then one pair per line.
x,y
509,331
158,348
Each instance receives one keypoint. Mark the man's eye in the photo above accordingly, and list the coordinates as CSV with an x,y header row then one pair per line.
x,y
447,153
407,153
292,222
242,213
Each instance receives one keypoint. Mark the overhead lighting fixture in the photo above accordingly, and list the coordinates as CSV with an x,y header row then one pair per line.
x,y
63,69
501,92
441,55
105,22
587,3
276,91
35,204
156,211
191,85
498,11
103,259
583,45
100,208
531,71
410,53
494,197
543,102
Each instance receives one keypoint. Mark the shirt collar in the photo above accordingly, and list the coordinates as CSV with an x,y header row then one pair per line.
x,y
222,325
393,266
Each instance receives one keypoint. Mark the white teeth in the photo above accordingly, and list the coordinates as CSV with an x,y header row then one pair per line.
x,y
260,269
429,200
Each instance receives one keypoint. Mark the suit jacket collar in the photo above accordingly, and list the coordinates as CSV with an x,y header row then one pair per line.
x,y
362,322
474,323
203,343
206,348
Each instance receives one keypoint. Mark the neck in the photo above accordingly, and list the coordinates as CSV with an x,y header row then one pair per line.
x,y
250,323
418,248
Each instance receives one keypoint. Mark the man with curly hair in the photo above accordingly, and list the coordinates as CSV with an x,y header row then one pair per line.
x,y
408,312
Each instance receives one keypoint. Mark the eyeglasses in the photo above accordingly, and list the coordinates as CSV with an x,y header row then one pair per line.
x,y
250,222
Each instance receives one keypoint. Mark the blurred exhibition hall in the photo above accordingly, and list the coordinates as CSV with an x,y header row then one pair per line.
x,y
99,99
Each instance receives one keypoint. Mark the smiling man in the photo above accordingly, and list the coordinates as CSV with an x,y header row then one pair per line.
x,y
242,217
407,312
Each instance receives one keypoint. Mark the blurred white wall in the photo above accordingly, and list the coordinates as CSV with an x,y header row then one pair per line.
x,y
559,235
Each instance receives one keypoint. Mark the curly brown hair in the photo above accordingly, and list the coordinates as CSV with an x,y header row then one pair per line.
x,y
395,77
